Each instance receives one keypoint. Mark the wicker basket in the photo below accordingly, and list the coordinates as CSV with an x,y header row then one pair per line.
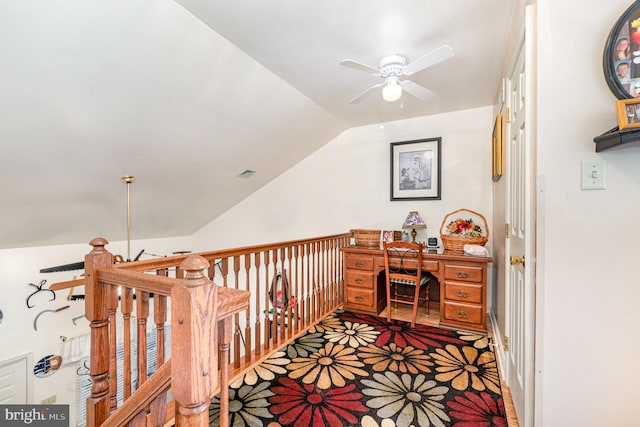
x,y
367,238
455,243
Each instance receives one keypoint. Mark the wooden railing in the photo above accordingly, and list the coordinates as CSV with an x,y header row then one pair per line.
x,y
229,310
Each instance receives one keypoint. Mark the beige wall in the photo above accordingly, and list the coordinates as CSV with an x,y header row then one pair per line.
x,y
345,185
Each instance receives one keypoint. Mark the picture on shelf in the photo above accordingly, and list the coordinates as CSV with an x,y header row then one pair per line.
x,y
628,113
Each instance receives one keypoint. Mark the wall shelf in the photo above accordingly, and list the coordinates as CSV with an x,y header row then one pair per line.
x,y
616,137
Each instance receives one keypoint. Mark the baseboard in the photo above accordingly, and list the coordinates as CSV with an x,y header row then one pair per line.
x,y
498,344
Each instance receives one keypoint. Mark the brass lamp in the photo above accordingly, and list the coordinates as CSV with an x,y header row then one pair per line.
x,y
413,221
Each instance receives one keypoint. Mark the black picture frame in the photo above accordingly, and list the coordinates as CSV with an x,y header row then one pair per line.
x,y
621,59
415,169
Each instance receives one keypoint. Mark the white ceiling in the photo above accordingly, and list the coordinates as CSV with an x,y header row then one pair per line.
x,y
186,95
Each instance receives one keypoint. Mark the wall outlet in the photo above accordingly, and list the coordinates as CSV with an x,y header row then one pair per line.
x,y
49,400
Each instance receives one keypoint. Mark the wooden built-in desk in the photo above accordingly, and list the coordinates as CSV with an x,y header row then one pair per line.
x,y
463,285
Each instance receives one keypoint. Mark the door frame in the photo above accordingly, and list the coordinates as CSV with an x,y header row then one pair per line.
x,y
526,46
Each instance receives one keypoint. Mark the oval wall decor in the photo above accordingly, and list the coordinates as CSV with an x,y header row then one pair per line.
x,y
621,61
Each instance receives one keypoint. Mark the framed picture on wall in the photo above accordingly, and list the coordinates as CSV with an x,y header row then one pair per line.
x,y
415,169
628,113
498,149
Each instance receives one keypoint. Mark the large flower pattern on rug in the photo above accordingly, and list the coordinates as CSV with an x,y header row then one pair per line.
x,y
359,370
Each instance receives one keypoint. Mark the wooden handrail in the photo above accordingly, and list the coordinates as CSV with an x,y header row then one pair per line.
x,y
159,383
143,282
225,318
173,261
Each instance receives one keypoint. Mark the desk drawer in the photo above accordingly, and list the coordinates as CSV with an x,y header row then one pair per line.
x,y
358,279
464,292
465,313
469,273
360,299
359,263
428,265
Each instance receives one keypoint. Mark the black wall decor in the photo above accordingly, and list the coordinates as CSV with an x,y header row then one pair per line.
x,y
621,60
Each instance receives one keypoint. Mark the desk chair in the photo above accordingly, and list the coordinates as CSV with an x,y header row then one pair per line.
x,y
403,268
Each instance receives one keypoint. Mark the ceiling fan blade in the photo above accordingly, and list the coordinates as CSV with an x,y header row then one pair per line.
x,y
416,90
442,53
360,67
366,93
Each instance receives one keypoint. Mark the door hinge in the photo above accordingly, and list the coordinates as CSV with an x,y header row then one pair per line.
x,y
506,230
508,114
506,343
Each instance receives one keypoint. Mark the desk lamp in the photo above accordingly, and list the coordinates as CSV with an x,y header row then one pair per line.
x,y
413,221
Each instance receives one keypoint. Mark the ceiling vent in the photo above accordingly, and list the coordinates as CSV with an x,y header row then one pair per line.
x,y
247,173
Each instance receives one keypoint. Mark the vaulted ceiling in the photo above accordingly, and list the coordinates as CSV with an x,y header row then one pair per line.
x,y
188,94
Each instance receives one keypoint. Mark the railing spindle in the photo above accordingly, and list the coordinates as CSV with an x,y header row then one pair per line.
x,y
247,314
258,326
309,261
112,295
267,320
142,313
160,318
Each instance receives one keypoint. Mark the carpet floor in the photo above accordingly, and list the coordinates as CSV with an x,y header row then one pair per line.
x,y
359,370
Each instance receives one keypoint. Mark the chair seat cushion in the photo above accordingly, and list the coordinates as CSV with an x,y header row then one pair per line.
x,y
423,280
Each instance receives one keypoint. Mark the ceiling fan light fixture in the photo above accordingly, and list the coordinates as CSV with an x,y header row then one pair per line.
x,y
392,91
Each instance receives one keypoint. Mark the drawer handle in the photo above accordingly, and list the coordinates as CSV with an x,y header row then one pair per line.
x,y
359,281
462,314
461,274
359,298
359,264
462,294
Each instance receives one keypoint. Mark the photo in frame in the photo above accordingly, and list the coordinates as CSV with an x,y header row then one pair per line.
x,y
498,149
415,169
628,113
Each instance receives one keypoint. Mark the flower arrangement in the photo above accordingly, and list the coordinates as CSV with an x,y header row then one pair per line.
x,y
464,227
462,231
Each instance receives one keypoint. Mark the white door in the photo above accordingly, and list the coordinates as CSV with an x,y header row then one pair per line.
x,y
520,292
13,381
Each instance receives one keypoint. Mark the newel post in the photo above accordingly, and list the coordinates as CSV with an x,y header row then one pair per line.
x,y
194,366
95,307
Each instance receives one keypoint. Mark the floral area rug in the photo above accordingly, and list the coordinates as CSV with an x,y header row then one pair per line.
x,y
359,370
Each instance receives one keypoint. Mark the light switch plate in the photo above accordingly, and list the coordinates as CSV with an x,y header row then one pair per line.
x,y
594,175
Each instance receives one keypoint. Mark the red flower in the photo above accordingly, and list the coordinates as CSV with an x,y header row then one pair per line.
x,y
422,337
306,405
478,410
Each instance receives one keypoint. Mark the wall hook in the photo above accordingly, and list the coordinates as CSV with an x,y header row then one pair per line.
x,y
39,288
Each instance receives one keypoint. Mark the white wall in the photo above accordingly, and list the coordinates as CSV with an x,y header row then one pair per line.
x,y
345,185
588,249
20,267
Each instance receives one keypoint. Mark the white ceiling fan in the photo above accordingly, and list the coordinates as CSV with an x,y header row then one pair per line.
x,y
393,67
